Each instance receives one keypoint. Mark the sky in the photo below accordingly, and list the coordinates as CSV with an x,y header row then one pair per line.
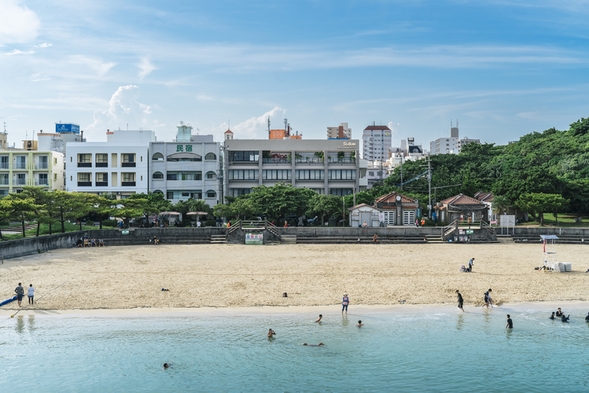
x,y
501,68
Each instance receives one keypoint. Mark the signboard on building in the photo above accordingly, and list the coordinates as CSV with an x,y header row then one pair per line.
x,y
61,128
254,238
507,221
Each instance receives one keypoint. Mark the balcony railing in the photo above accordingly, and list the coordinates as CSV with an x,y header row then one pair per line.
x,y
84,184
276,160
128,164
3,165
128,184
20,165
42,166
101,164
84,165
42,183
315,160
101,184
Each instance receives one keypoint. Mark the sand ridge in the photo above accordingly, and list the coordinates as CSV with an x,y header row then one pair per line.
x,y
312,275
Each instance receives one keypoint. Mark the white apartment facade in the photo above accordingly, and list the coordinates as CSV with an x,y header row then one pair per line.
x,y
118,166
186,168
377,141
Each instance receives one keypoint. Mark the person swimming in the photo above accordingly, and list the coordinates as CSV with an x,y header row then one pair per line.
x,y
587,317
271,333
312,345
320,318
565,319
360,324
552,316
167,365
559,313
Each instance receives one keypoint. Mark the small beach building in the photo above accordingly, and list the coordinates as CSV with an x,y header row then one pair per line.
x,y
463,208
487,199
388,210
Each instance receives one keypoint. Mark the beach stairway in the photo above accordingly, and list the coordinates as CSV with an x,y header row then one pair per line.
x,y
218,239
288,239
434,238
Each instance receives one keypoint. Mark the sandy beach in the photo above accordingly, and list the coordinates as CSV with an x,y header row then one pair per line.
x,y
199,276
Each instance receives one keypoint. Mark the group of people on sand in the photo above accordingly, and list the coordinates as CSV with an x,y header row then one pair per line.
x,y
20,293
85,242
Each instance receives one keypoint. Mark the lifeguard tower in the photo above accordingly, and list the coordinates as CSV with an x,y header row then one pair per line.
x,y
550,259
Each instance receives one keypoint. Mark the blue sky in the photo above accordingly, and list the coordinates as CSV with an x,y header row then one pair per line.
x,y
503,68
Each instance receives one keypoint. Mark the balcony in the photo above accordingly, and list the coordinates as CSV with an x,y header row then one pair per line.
x,y
3,165
84,184
276,161
84,165
20,165
42,166
101,164
42,182
309,161
128,184
101,184
128,164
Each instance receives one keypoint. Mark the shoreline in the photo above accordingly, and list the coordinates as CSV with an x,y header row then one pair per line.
x,y
360,309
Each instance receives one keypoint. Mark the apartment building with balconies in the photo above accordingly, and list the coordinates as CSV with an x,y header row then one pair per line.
x,y
21,168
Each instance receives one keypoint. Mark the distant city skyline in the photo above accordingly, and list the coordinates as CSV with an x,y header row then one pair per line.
x,y
503,68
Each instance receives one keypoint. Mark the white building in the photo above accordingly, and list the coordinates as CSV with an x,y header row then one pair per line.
x,y
376,142
325,166
186,168
451,145
118,166
64,133
340,132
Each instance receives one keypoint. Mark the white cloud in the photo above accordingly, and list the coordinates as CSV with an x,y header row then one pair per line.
x,y
44,45
256,127
18,24
124,110
39,77
19,52
95,64
145,68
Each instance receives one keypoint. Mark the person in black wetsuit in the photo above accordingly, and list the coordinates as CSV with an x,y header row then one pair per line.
x,y
552,316
460,300
565,319
559,313
509,322
587,317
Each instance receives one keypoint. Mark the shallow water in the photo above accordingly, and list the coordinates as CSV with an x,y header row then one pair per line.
x,y
421,350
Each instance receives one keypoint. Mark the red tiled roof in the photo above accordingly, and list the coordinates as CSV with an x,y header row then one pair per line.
x,y
392,197
228,132
373,128
461,199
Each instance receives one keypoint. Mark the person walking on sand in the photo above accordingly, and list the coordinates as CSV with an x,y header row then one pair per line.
x,y
345,303
460,300
20,292
470,264
31,294
509,322
488,300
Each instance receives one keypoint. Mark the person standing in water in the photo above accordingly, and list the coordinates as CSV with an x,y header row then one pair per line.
x,y
345,303
509,322
320,318
271,333
460,300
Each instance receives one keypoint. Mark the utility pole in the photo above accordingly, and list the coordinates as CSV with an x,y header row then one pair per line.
x,y
401,171
429,186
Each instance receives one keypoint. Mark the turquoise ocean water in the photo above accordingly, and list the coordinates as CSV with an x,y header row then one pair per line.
x,y
415,350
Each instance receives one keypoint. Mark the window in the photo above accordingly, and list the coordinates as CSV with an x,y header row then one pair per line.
x,y
210,156
342,174
211,175
3,162
128,179
43,162
84,179
158,176
101,160
84,160
3,179
157,157
128,160
309,174
21,179
43,180
244,156
184,176
340,191
211,194
21,162
276,174
242,174
239,191
102,179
